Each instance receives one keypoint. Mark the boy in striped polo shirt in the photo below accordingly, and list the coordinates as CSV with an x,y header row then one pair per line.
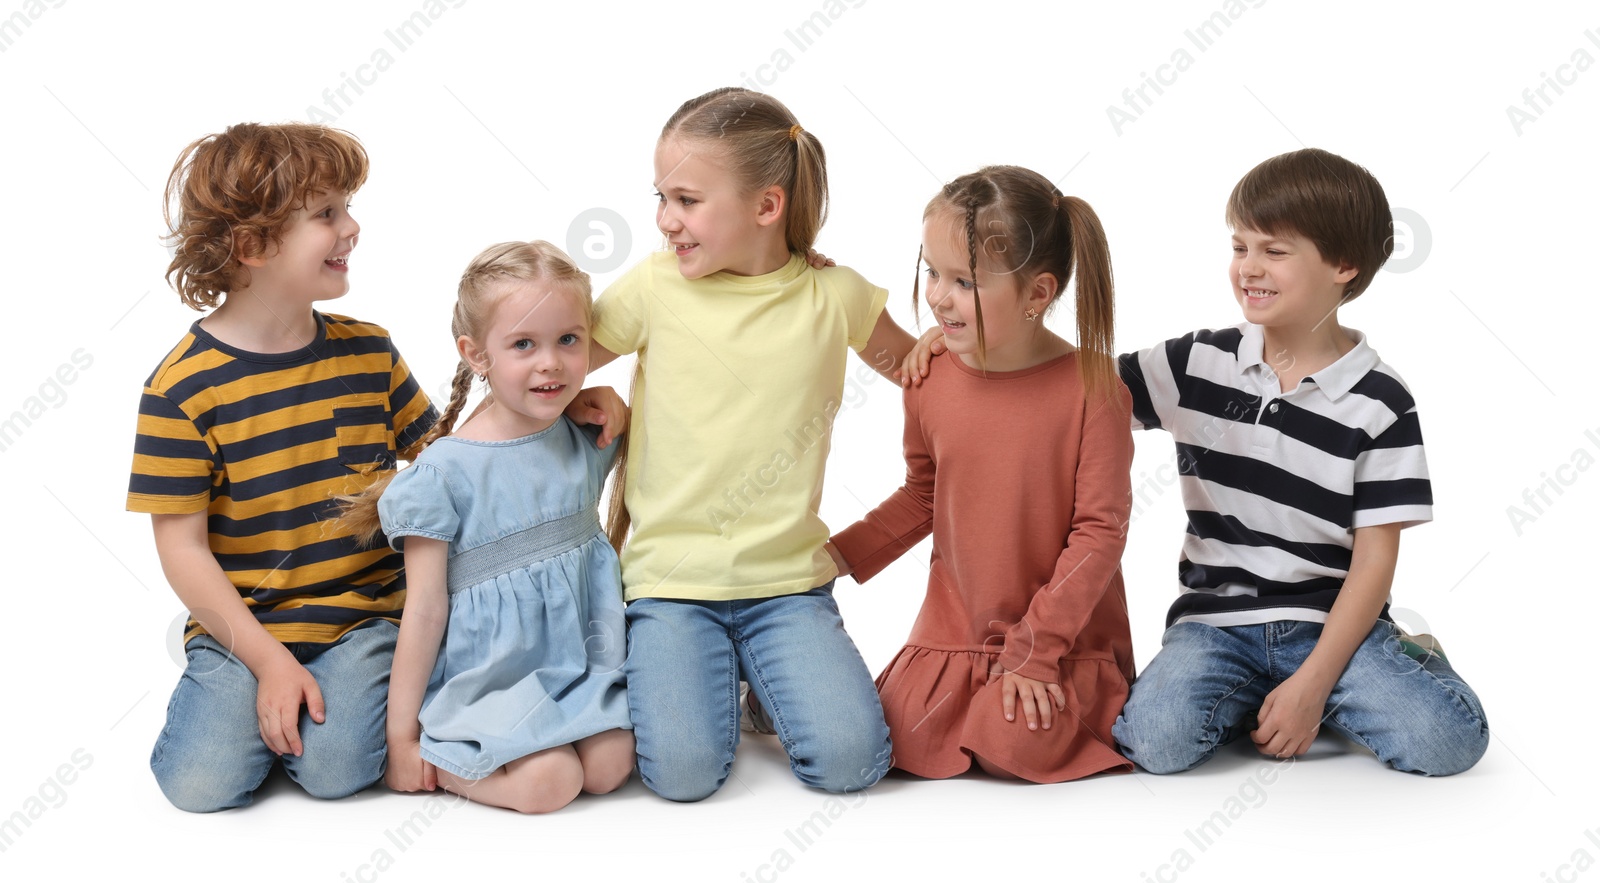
x,y
1300,459
263,413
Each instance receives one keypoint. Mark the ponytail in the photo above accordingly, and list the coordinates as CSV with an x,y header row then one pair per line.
x,y
762,144
1096,306
1054,234
808,197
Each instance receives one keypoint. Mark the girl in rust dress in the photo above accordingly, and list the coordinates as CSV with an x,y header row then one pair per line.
x,y
1017,455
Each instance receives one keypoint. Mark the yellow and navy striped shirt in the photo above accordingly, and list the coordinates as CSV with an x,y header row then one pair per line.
x,y
262,443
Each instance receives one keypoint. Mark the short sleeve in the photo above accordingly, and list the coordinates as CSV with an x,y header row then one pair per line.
x,y
1391,477
1152,377
619,315
418,503
174,466
862,302
413,413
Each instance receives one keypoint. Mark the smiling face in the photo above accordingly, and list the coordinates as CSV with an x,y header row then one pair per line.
x,y
1282,282
709,222
535,354
311,260
1010,340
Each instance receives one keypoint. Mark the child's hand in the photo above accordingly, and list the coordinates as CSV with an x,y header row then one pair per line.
x,y
600,406
915,366
281,687
839,563
818,260
406,770
1289,718
1040,699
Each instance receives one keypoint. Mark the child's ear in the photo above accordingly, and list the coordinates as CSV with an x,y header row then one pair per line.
x,y
770,205
472,355
242,254
1040,291
1345,273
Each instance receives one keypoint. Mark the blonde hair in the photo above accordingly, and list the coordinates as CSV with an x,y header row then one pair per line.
x,y
482,285
232,195
1024,214
763,144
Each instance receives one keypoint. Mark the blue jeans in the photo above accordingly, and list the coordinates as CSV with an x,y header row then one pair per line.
x,y
210,755
685,661
1204,686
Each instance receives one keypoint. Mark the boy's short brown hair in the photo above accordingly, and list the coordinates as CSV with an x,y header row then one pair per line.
x,y
235,192
1325,198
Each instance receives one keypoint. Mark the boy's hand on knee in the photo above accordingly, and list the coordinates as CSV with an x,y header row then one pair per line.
x,y
1290,717
281,688
1040,700
915,366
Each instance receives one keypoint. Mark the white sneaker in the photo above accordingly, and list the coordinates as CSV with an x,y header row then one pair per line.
x,y
752,717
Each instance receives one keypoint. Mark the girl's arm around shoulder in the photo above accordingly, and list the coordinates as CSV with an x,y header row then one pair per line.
x,y
601,454
600,406
1102,500
887,347
621,312
886,344
618,317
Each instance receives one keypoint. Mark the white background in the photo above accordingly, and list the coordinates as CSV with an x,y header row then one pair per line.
x,y
498,124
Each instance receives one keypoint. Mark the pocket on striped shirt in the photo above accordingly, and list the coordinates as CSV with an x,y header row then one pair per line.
x,y
362,425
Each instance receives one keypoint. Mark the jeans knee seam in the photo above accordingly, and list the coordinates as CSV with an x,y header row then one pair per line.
x,y
1460,702
1211,715
1457,700
731,726
777,717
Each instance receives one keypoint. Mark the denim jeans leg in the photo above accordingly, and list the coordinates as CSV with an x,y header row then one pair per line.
x,y
683,695
209,755
1193,697
807,673
1416,716
346,752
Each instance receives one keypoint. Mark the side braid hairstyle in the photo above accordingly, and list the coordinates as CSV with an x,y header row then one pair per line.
x,y
762,144
1029,227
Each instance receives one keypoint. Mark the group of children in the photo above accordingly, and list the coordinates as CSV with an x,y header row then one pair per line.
x,y
532,664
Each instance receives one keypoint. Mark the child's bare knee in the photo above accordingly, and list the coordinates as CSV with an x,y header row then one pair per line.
x,y
607,776
547,784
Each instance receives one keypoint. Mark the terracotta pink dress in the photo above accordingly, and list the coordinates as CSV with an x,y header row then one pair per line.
x,y
1025,488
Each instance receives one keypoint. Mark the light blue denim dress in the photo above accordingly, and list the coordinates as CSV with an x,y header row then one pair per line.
x,y
533,654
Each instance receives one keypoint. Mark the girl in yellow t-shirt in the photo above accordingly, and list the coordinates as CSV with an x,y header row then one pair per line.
x,y
741,346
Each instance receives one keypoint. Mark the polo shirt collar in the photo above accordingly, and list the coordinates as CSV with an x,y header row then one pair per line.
x,y
1251,346
1334,380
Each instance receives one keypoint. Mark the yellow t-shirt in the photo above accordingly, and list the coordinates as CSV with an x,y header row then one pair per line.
x,y
739,380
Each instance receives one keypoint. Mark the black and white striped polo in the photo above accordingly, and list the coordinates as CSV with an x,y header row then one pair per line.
x,y
1275,482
